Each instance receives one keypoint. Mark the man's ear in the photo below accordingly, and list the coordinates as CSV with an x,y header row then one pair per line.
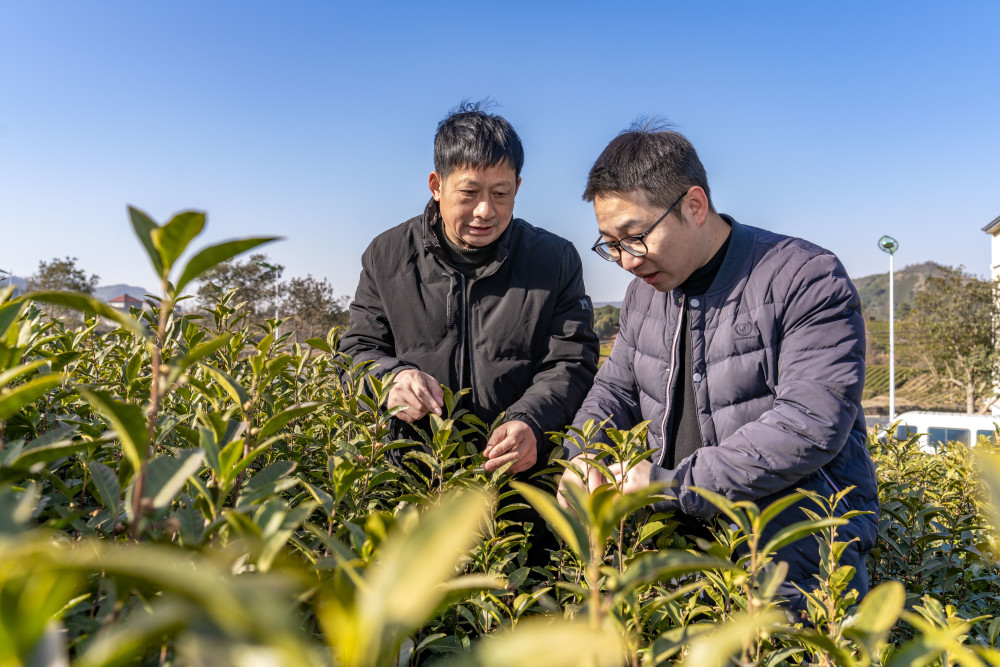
x,y
435,183
517,186
697,204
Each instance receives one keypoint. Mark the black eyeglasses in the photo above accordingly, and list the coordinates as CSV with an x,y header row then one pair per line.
x,y
633,245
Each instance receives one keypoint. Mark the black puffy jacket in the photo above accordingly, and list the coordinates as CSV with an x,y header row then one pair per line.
x,y
528,320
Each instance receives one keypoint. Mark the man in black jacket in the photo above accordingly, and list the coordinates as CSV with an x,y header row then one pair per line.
x,y
466,295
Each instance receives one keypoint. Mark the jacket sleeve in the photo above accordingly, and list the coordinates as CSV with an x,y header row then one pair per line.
x,y
566,370
614,396
370,336
821,372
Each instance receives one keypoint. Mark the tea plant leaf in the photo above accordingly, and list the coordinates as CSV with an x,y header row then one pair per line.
x,y
45,449
728,639
320,344
277,527
173,238
126,642
11,374
106,482
17,508
199,352
166,475
89,305
9,312
268,481
776,508
875,616
275,423
659,565
127,420
235,390
551,643
144,226
192,524
725,506
989,466
403,589
14,400
208,257
798,530
567,526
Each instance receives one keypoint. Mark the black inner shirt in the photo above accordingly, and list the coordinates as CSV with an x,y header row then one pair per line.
x,y
684,428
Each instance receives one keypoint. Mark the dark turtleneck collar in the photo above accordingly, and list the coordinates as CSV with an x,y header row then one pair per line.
x,y
470,261
699,281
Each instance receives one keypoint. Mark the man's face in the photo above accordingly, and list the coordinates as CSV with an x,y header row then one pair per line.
x,y
675,248
476,204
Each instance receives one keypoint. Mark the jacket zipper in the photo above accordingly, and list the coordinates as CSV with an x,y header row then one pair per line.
x,y
666,392
467,339
836,489
449,314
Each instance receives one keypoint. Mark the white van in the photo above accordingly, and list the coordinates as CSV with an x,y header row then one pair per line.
x,y
937,428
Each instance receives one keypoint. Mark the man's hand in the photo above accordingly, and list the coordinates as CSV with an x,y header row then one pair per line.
x,y
419,392
592,477
512,441
635,479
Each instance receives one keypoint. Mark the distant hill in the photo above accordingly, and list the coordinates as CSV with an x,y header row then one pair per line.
x,y
104,292
18,282
874,290
111,291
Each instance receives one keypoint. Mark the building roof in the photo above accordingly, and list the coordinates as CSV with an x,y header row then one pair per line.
x,y
993,227
126,299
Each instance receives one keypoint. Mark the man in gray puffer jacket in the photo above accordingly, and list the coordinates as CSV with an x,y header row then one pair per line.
x,y
743,348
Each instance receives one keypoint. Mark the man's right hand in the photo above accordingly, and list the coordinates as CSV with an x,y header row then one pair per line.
x,y
419,392
590,479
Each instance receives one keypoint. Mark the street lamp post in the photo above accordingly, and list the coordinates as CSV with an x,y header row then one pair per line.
x,y
890,245
276,270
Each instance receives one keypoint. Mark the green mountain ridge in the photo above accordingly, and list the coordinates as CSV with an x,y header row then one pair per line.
x,y
874,290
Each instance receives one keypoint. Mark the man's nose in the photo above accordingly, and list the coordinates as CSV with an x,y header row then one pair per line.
x,y
629,261
484,209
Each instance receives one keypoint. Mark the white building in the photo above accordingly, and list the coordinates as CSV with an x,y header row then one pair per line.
x,y
993,229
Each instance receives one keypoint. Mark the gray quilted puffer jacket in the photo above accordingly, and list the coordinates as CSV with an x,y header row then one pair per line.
x,y
777,347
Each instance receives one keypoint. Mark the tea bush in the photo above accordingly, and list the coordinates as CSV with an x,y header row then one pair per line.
x,y
187,489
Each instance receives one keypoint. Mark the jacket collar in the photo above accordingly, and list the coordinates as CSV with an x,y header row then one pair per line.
x,y
741,243
433,245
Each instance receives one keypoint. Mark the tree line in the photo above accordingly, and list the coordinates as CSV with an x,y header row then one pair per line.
x,y
950,329
309,305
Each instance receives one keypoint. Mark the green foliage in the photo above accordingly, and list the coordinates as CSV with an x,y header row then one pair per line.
x,y
181,488
61,274
874,290
953,328
606,321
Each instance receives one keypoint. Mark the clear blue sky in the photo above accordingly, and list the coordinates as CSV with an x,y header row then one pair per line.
x,y
835,121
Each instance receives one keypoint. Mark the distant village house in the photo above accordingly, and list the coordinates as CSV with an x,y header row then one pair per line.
x,y
993,229
125,301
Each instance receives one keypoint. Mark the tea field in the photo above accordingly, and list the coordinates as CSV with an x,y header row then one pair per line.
x,y
182,488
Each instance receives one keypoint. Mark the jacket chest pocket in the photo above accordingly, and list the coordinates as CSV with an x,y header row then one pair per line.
x,y
507,328
744,336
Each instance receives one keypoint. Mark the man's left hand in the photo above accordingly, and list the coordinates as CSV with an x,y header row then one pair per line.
x,y
635,479
512,441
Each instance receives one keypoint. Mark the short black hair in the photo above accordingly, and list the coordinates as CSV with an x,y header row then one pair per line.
x,y
651,157
472,137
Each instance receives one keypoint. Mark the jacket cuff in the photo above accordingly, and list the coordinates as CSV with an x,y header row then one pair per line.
x,y
542,445
660,474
